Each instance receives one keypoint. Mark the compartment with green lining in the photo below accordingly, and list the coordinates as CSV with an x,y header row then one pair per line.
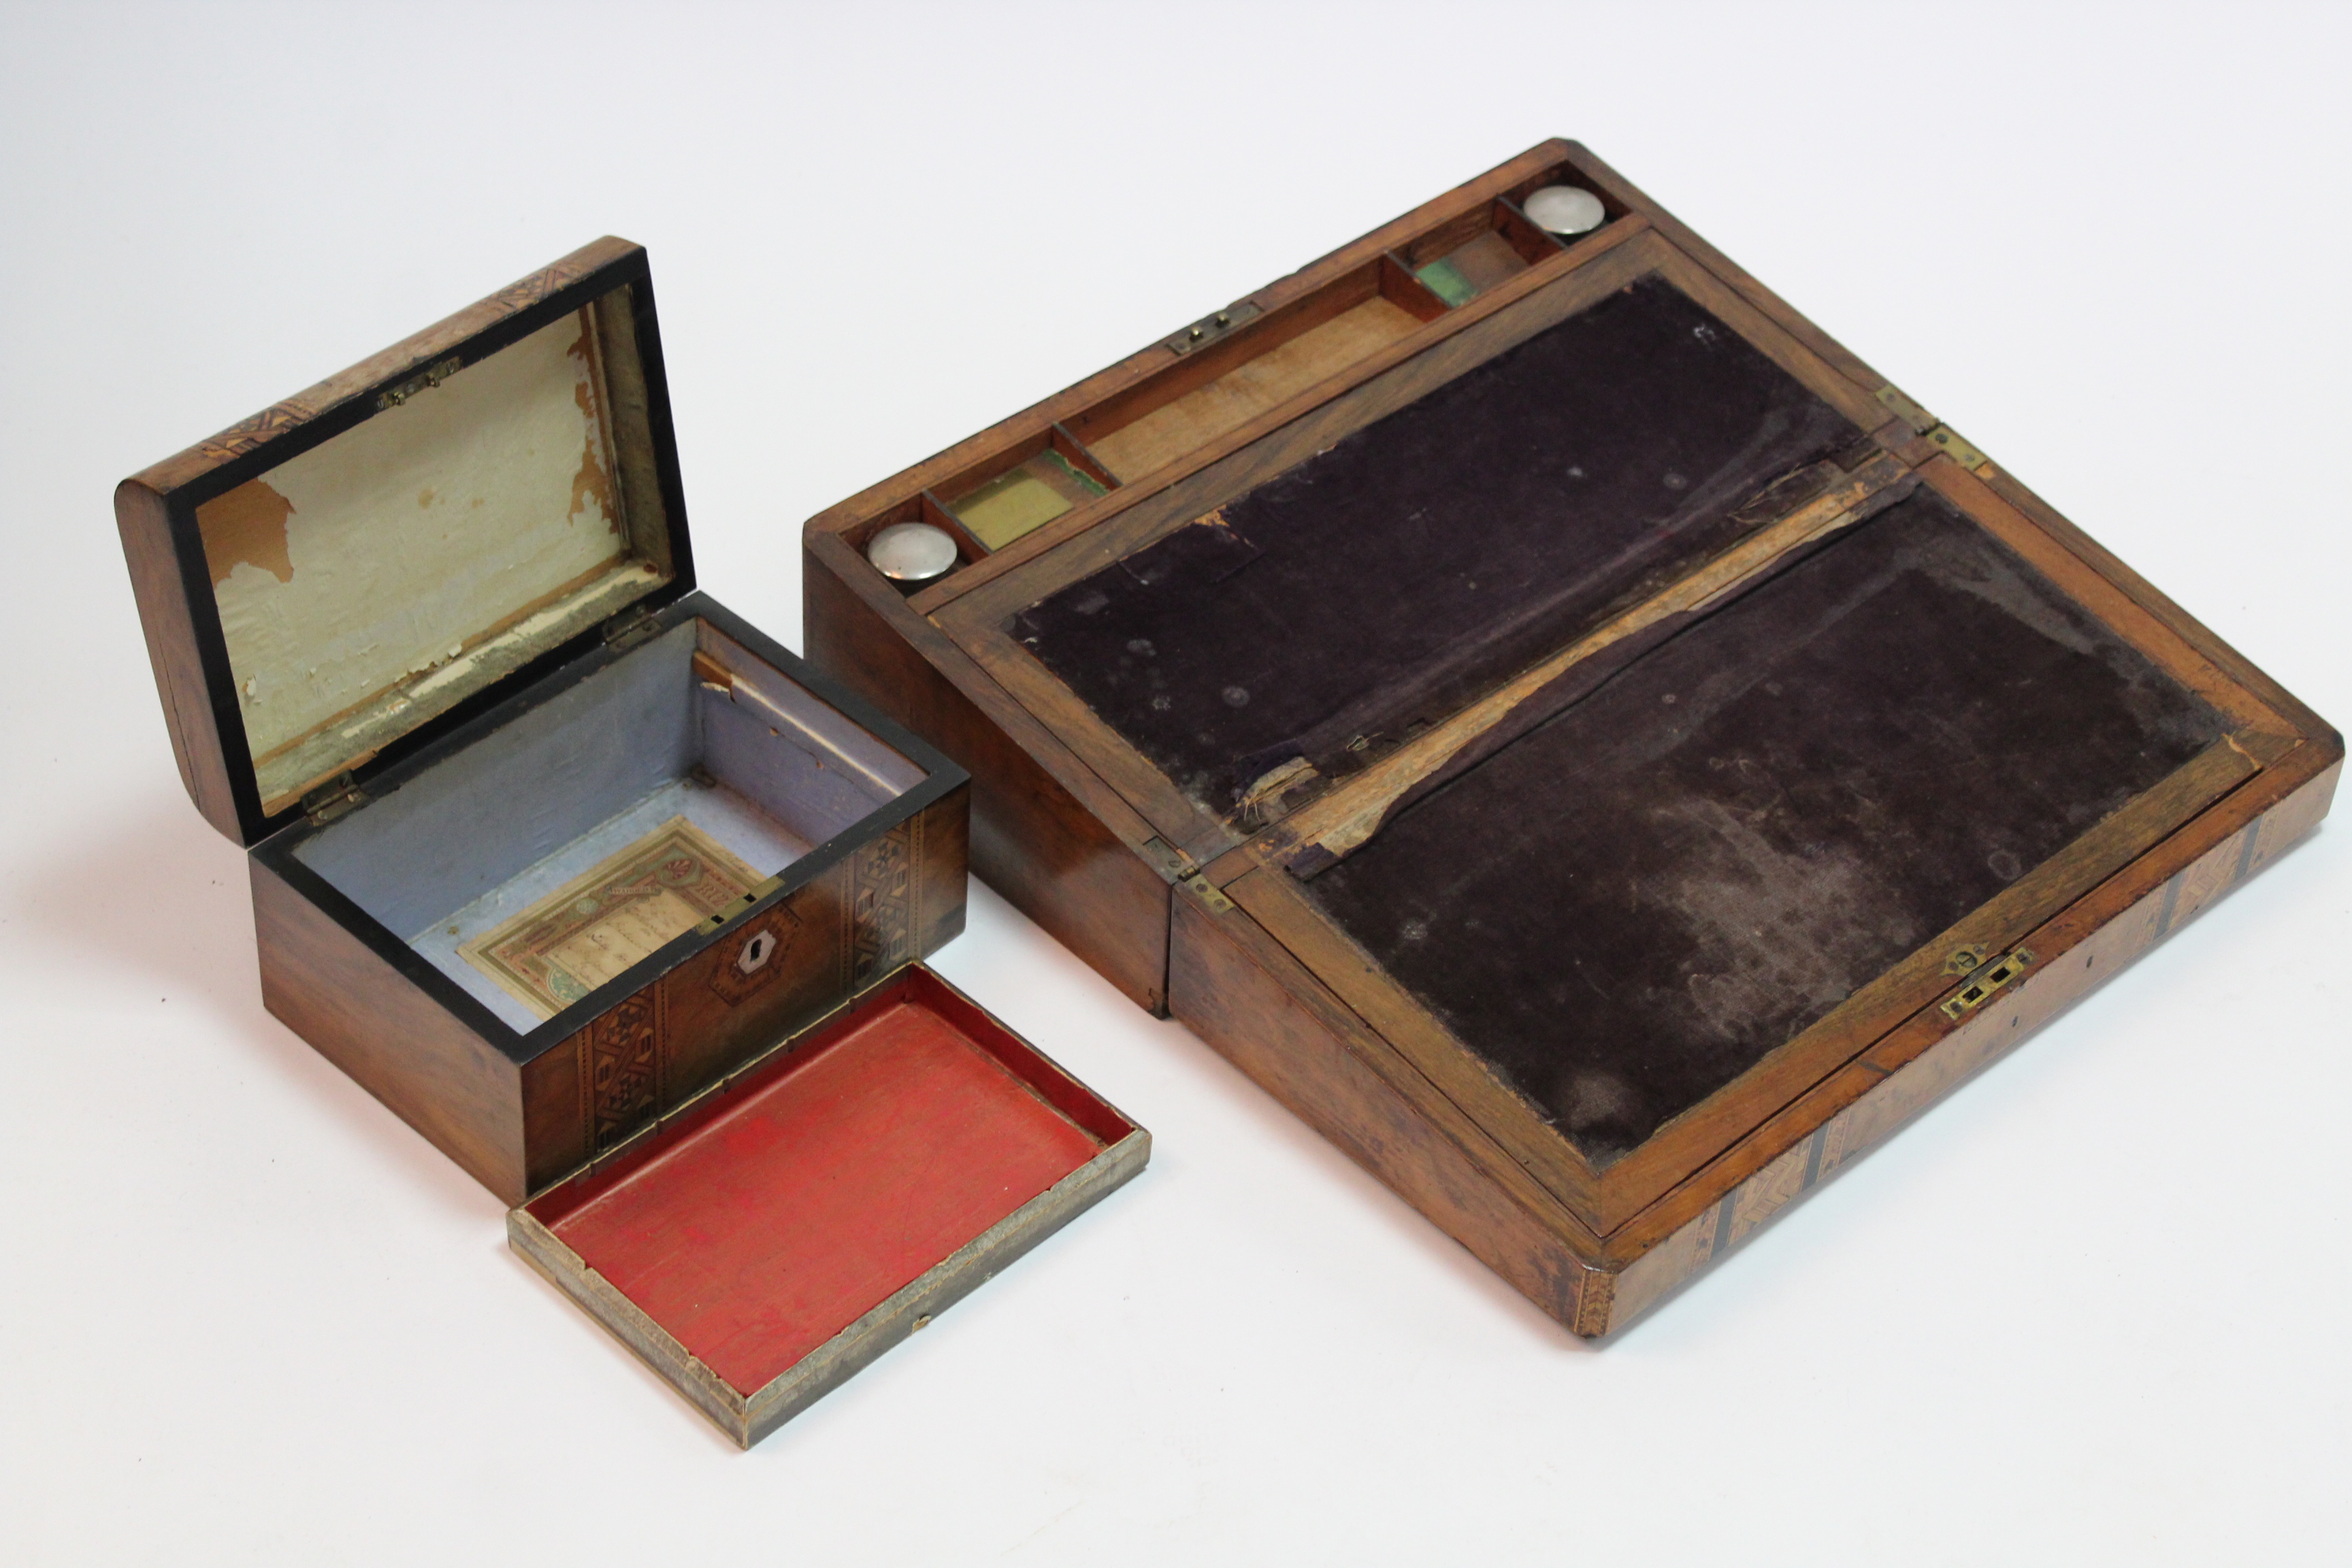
x,y
1018,501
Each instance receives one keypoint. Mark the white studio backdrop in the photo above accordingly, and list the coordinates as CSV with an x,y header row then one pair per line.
x,y
2088,1312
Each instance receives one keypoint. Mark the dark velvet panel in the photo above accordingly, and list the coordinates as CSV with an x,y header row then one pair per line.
x,y
1380,584
1635,903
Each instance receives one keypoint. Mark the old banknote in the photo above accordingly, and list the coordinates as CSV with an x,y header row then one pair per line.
x,y
599,923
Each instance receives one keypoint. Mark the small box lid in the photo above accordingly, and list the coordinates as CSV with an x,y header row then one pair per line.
x,y
329,584
770,1239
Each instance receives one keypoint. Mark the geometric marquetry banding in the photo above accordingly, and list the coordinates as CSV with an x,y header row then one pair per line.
x,y
885,898
248,434
621,1068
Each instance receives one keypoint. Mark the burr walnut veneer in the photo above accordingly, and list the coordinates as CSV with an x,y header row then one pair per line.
x,y
1572,731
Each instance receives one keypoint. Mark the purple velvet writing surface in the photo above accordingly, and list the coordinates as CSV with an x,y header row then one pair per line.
x,y
1379,584
1635,903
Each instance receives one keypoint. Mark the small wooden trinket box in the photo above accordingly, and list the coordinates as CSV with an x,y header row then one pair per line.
x,y
582,875
1569,730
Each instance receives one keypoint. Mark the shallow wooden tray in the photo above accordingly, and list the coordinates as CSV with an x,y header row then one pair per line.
x,y
827,1201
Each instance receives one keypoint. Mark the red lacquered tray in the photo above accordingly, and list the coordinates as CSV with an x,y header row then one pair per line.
x,y
776,1235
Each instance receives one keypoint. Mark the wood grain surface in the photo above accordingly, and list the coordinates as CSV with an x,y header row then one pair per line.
x,y
361,1013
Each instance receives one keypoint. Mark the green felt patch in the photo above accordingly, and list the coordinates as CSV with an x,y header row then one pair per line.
x,y
1022,499
1445,280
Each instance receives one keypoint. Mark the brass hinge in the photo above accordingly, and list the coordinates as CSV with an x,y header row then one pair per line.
x,y
1984,978
630,627
339,796
1957,449
1182,871
1923,422
1209,328
1208,892
424,380
1170,862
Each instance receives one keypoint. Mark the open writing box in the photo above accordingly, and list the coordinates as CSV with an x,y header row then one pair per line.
x,y
545,844
1567,728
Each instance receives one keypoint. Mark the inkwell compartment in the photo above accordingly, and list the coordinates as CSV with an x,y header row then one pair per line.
x,y
1232,367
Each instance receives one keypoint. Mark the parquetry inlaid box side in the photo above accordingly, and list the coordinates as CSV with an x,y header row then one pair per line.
x,y
1567,728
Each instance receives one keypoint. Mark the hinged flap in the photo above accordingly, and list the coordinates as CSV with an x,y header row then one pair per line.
x,y
1388,579
360,566
1829,805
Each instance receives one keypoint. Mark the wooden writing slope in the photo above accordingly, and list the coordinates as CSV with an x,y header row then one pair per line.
x,y
1569,730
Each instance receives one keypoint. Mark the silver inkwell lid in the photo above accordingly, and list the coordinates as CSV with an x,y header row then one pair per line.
x,y
912,555
1564,210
